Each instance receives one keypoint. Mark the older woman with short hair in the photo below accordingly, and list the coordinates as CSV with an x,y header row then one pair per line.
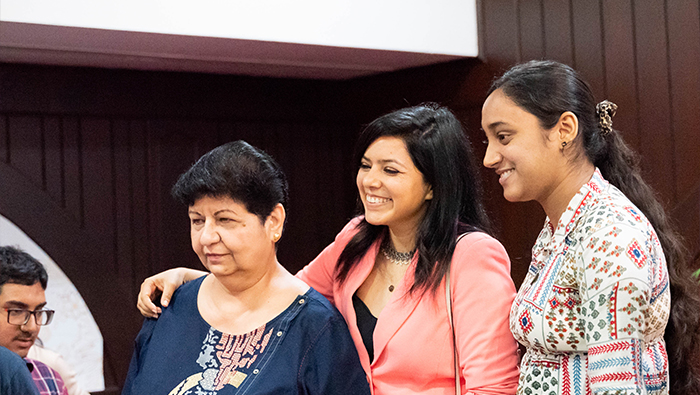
x,y
248,326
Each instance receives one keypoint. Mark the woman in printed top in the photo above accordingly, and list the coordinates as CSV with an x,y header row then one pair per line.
x,y
419,189
594,306
248,326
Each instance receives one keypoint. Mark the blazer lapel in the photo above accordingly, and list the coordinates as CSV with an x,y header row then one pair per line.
x,y
396,312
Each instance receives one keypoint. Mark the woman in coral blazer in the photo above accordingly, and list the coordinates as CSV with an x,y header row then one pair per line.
x,y
413,351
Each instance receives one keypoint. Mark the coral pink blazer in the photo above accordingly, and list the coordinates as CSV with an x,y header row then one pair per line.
x,y
412,340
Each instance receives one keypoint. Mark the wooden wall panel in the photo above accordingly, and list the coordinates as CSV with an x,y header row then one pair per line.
x,y
123,195
683,24
4,137
531,35
500,35
621,66
656,140
26,147
53,158
72,169
139,164
557,28
588,56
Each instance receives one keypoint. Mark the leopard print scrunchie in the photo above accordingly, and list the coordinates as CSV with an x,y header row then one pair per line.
x,y
606,111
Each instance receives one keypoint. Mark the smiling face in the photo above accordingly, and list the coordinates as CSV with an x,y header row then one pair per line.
x,y
231,241
524,155
19,338
392,190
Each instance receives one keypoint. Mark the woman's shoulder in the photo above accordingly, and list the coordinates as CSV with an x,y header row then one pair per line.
x,y
319,318
477,239
319,306
318,311
611,208
479,249
185,292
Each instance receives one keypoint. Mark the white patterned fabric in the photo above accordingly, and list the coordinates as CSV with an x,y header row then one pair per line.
x,y
594,305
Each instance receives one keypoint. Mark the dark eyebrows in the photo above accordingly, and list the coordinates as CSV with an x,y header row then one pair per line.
x,y
16,304
215,213
225,210
494,125
385,161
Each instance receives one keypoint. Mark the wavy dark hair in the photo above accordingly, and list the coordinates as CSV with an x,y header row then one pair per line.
x,y
547,89
239,171
440,150
18,267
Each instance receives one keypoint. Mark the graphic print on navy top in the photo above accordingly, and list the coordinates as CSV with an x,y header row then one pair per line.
x,y
226,360
306,349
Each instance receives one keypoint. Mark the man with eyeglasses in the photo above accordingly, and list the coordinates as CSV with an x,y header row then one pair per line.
x,y
22,284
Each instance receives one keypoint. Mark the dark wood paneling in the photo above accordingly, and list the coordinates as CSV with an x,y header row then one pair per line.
x,y
53,158
656,141
499,26
123,195
588,47
138,164
557,31
72,178
531,29
26,147
683,26
621,67
4,137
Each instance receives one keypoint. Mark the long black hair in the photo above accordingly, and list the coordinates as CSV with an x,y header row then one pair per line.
x,y
440,150
547,89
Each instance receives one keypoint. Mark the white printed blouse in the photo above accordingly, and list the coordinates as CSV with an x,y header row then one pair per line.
x,y
594,305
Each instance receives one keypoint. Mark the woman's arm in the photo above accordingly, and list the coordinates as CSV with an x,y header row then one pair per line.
x,y
482,294
166,282
616,300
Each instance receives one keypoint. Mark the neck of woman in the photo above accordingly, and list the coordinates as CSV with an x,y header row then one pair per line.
x,y
570,182
234,306
403,240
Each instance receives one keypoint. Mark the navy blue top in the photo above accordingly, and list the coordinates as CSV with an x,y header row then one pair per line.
x,y
14,375
306,349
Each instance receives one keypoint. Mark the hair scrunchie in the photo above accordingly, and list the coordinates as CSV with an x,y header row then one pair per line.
x,y
606,111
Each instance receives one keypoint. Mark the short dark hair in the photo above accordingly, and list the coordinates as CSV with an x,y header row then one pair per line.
x,y
18,267
237,170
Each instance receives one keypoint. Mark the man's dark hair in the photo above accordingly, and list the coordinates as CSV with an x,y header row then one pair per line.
x,y
18,267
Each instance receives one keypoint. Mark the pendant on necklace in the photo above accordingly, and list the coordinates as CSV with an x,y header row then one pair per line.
x,y
391,288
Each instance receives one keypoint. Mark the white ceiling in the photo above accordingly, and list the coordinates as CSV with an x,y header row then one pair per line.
x,y
322,39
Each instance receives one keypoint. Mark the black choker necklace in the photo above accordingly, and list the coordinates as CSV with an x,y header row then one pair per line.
x,y
399,258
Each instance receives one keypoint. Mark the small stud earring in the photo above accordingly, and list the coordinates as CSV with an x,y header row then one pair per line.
x,y
277,236
564,144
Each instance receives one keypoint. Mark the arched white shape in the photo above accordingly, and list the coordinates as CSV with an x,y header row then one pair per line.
x,y
73,333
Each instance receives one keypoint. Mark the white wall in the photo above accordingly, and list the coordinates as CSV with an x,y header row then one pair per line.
x,y
73,332
428,26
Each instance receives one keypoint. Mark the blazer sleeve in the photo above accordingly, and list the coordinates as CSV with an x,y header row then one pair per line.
x,y
482,294
320,273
